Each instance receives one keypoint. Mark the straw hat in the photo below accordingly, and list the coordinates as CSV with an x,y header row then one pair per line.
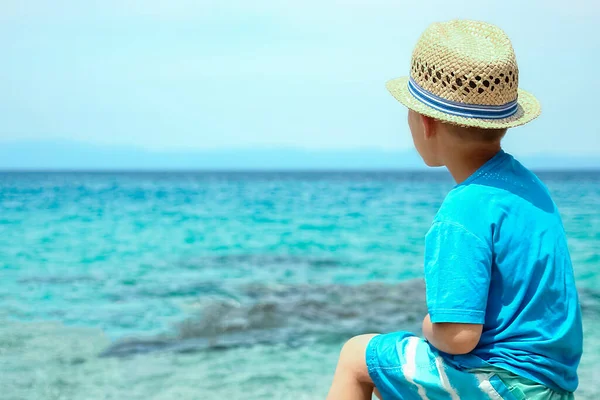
x,y
465,73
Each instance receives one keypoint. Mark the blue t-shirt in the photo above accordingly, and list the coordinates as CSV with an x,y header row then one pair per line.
x,y
497,255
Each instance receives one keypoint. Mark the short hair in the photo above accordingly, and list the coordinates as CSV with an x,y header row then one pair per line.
x,y
476,134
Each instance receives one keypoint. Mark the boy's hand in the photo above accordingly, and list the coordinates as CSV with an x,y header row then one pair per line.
x,y
452,338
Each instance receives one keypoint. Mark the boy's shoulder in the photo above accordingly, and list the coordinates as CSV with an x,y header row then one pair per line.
x,y
467,206
468,201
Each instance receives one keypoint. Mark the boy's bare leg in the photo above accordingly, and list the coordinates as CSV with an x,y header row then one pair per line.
x,y
351,380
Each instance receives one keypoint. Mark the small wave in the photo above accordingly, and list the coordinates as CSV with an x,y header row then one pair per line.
x,y
261,260
294,315
57,279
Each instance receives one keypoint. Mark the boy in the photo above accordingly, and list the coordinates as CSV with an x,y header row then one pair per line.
x,y
504,319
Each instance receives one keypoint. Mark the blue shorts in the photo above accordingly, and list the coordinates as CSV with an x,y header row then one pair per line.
x,y
406,367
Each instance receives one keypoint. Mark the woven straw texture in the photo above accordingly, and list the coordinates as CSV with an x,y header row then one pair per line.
x,y
467,62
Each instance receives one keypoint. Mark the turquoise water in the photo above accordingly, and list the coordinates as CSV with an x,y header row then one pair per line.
x,y
225,285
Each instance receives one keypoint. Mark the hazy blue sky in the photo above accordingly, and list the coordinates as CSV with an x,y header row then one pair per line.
x,y
268,73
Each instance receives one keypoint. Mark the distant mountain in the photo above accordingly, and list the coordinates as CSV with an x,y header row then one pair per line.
x,y
64,155
558,162
73,155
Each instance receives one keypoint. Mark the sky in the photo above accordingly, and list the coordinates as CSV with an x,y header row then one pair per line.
x,y
185,75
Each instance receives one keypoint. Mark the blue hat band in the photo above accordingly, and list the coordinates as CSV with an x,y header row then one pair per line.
x,y
462,109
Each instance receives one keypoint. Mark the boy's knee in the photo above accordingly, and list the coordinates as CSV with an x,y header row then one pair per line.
x,y
353,356
359,342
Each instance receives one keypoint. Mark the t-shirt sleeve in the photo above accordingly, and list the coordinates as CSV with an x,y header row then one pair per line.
x,y
457,274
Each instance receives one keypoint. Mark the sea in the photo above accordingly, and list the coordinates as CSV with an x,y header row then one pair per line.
x,y
227,285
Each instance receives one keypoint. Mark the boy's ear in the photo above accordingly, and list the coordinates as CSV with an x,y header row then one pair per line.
x,y
429,126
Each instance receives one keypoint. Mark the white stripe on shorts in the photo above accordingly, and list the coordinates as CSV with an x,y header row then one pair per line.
x,y
487,388
444,379
409,369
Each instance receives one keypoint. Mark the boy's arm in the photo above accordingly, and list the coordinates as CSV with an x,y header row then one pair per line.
x,y
452,338
458,269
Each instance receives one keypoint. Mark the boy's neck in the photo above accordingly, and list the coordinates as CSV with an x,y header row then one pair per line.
x,y
463,161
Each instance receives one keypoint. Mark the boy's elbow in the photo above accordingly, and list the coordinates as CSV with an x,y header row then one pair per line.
x,y
461,346
461,338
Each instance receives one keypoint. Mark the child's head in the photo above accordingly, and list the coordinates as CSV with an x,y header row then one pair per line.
x,y
435,140
462,92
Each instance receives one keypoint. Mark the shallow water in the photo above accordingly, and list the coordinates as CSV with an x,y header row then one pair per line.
x,y
237,286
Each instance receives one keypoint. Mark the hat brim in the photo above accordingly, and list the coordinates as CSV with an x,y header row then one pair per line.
x,y
529,108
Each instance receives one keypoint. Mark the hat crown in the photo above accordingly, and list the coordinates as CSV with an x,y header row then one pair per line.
x,y
467,62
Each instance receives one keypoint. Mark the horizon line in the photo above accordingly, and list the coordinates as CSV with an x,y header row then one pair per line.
x,y
594,169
